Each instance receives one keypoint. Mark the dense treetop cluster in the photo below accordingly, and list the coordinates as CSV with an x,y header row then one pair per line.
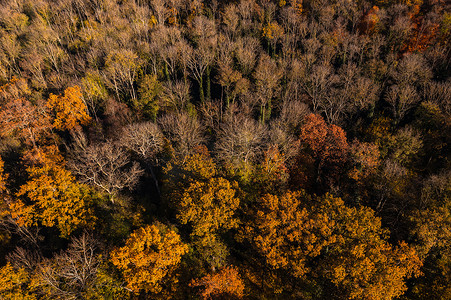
x,y
246,149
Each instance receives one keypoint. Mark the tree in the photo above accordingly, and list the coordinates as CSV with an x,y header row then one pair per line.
x,y
15,283
199,63
360,261
225,282
401,100
19,116
325,239
209,207
230,79
240,143
106,166
327,145
181,172
267,76
121,71
149,93
184,131
148,257
365,158
73,273
51,196
286,234
70,110
177,96
144,139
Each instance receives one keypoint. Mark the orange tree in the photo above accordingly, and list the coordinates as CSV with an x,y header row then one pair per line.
x,y
149,256
16,283
326,144
70,111
225,282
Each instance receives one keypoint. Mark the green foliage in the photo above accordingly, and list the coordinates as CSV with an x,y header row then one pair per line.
x,y
149,91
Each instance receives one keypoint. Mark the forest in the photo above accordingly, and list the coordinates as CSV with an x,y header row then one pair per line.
x,y
213,149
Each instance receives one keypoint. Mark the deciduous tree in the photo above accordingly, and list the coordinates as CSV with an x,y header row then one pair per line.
x,y
51,196
106,166
148,257
226,282
70,109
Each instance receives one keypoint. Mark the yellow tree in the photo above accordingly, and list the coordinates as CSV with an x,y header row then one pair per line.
x,y
3,204
3,176
323,238
286,234
51,196
148,257
360,261
209,207
180,173
70,110
15,283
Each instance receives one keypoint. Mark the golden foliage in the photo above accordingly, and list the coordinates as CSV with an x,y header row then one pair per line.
x,y
227,281
149,255
324,237
361,261
70,110
272,31
51,196
3,176
366,159
287,234
13,283
182,172
209,206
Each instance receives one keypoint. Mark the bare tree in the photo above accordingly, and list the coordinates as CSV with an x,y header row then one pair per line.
x,y
411,70
267,76
159,9
70,274
204,35
286,142
230,19
318,84
199,62
247,49
240,141
401,100
176,95
106,166
230,79
167,42
350,93
292,114
185,132
440,94
146,140
122,70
